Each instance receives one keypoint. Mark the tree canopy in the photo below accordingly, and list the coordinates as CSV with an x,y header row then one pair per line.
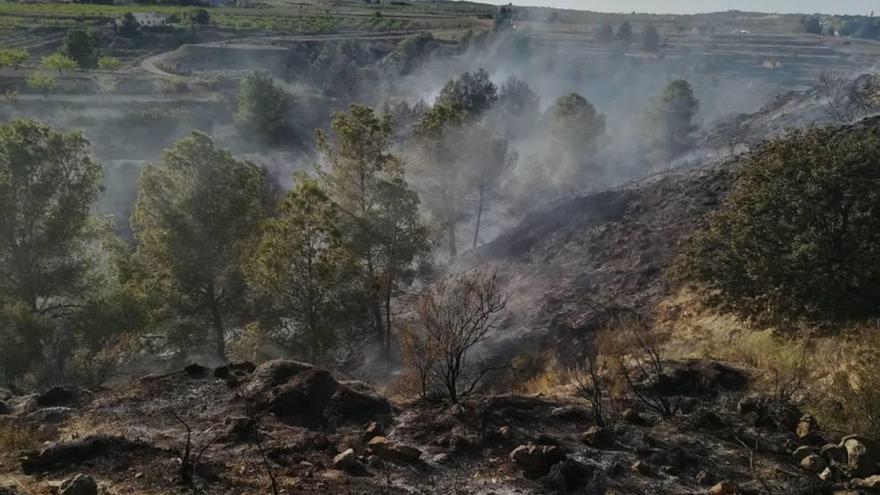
x,y
671,121
798,237
263,108
195,219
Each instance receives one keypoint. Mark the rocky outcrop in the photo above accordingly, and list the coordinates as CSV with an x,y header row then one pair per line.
x,y
862,456
62,455
301,394
390,451
536,460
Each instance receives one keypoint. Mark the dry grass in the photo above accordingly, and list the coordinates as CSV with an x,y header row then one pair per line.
x,y
834,377
16,438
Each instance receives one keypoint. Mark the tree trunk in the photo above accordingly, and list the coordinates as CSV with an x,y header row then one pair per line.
x,y
479,214
453,245
217,327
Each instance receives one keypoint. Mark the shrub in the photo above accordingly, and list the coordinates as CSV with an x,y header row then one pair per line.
x,y
798,235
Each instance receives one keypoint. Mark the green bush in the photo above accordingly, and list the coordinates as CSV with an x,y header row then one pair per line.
x,y
799,235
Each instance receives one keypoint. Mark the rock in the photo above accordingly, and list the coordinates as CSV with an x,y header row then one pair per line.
x,y
769,412
862,456
827,474
441,458
536,460
46,432
567,476
389,451
49,415
63,455
802,452
505,432
196,371
56,396
806,426
346,461
697,378
870,483
374,429
303,395
814,463
598,437
633,417
240,428
640,467
358,406
725,488
834,453
374,461
571,414
234,370
79,485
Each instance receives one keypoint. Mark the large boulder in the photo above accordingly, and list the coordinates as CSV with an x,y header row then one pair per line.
x,y
871,483
56,396
814,463
303,395
862,456
536,460
79,485
696,378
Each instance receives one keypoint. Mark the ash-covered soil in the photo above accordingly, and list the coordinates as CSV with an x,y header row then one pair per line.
x,y
320,436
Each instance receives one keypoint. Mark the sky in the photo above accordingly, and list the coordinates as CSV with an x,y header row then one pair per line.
x,y
863,7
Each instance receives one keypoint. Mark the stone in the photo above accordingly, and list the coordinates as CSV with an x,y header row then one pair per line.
x,y
346,461
598,437
862,456
568,476
60,455
640,467
632,416
870,483
505,432
374,429
814,463
802,453
46,432
196,370
724,488
79,485
389,451
827,475
441,458
833,453
536,460
240,428
806,426
56,396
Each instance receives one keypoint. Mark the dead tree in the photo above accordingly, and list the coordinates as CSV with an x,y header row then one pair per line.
x,y
187,461
457,315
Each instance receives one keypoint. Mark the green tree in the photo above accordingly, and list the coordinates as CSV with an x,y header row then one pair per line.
x,y
82,47
797,237
573,127
59,62
129,26
671,121
439,169
263,108
48,183
604,35
200,17
474,93
302,268
624,32
196,216
519,105
650,38
13,58
365,179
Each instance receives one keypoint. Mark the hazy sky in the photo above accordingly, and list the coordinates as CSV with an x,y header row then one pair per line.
x,y
691,6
